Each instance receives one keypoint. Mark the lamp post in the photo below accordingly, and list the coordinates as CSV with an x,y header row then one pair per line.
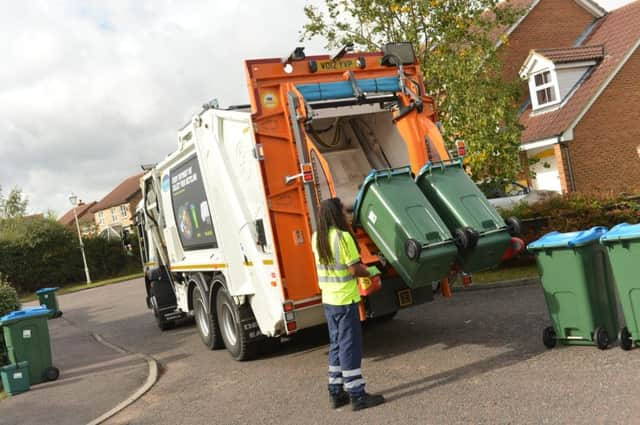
x,y
74,201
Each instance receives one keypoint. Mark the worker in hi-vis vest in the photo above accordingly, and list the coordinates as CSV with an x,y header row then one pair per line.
x,y
338,265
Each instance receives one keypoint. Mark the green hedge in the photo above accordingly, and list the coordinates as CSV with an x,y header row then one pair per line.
x,y
8,302
575,212
36,253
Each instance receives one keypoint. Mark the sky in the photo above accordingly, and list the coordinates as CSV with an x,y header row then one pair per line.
x,y
91,89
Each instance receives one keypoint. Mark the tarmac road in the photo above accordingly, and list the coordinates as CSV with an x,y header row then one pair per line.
x,y
476,358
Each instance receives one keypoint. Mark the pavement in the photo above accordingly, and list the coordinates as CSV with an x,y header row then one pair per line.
x,y
93,379
475,358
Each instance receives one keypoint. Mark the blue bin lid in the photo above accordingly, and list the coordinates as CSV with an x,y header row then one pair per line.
x,y
568,240
373,176
622,232
46,290
19,315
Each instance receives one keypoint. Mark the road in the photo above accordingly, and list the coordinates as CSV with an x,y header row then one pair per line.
x,y
476,358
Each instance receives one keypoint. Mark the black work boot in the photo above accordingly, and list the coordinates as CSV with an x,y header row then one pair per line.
x,y
339,400
365,401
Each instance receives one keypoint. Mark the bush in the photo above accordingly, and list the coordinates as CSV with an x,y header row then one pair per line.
x,y
8,297
574,212
36,253
8,302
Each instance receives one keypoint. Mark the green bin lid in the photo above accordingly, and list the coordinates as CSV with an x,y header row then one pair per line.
x,y
439,164
46,290
19,315
622,232
568,240
15,366
373,176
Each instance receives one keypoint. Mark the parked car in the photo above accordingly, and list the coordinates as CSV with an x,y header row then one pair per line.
x,y
507,194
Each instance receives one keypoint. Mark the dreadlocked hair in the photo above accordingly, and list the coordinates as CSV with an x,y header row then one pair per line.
x,y
330,215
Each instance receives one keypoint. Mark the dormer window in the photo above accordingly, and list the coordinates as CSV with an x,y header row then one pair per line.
x,y
545,89
554,74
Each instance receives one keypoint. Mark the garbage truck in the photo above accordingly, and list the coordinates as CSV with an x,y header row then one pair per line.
x,y
227,218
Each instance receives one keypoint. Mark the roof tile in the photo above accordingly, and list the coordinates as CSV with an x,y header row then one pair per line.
x,y
618,32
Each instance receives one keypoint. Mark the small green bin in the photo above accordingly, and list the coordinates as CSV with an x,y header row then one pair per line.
x,y
623,247
15,378
49,299
405,227
578,288
480,232
26,335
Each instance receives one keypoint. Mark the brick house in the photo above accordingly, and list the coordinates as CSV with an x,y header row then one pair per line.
x,y
85,218
114,213
582,118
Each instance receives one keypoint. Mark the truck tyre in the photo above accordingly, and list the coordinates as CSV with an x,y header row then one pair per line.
x,y
206,322
236,338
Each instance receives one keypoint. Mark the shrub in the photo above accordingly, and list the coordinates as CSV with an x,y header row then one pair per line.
x,y
575,212
8,302
8,297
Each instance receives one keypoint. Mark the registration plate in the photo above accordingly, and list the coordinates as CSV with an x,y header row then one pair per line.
x,y
405,297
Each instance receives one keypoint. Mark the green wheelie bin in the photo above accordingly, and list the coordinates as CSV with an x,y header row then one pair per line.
x,y
578,288
48,298
15,378
26,334
405,227
481,234
622,243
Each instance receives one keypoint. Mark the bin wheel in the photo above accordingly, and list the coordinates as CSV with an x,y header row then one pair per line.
x,y
51,373
413,249
514,226
626,342
601,338
549,337
461,239
58,314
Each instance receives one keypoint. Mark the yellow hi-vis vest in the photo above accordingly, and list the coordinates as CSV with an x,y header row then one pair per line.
x,y
338,285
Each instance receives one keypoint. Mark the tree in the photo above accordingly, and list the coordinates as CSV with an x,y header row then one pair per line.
x,y
14,205
455,43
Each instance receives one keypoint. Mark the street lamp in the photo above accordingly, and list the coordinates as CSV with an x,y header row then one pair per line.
x,y
74,201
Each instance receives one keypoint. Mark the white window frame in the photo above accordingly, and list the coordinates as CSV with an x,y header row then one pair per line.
x,y
114,214
101,217
123,211
534,89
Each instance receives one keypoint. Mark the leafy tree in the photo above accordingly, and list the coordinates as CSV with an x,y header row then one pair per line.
x,y
455,43
14,205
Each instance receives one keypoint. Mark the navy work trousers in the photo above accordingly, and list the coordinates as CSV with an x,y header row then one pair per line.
x,y
345,349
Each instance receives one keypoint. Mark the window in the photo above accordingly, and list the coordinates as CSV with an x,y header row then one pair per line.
x,y
544,88
114,214
123,211
101,217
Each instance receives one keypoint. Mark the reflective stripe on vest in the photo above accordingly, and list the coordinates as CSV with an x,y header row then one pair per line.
x,y
337,275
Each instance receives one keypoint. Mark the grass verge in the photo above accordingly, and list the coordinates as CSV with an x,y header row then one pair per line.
x,y
25,298
501,275
3,395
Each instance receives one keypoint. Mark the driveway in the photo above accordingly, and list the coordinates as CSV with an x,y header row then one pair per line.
x,y
474,358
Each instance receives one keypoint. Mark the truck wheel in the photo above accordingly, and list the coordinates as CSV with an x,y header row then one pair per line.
x,y
206,323
236,339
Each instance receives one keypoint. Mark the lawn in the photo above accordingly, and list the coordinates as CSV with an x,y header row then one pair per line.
x,y
82,286
505,274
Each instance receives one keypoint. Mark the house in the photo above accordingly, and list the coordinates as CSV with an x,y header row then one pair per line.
x,y
582,119
114,213
85,218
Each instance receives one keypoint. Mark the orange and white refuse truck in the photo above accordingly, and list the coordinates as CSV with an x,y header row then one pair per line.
x,y
228,216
